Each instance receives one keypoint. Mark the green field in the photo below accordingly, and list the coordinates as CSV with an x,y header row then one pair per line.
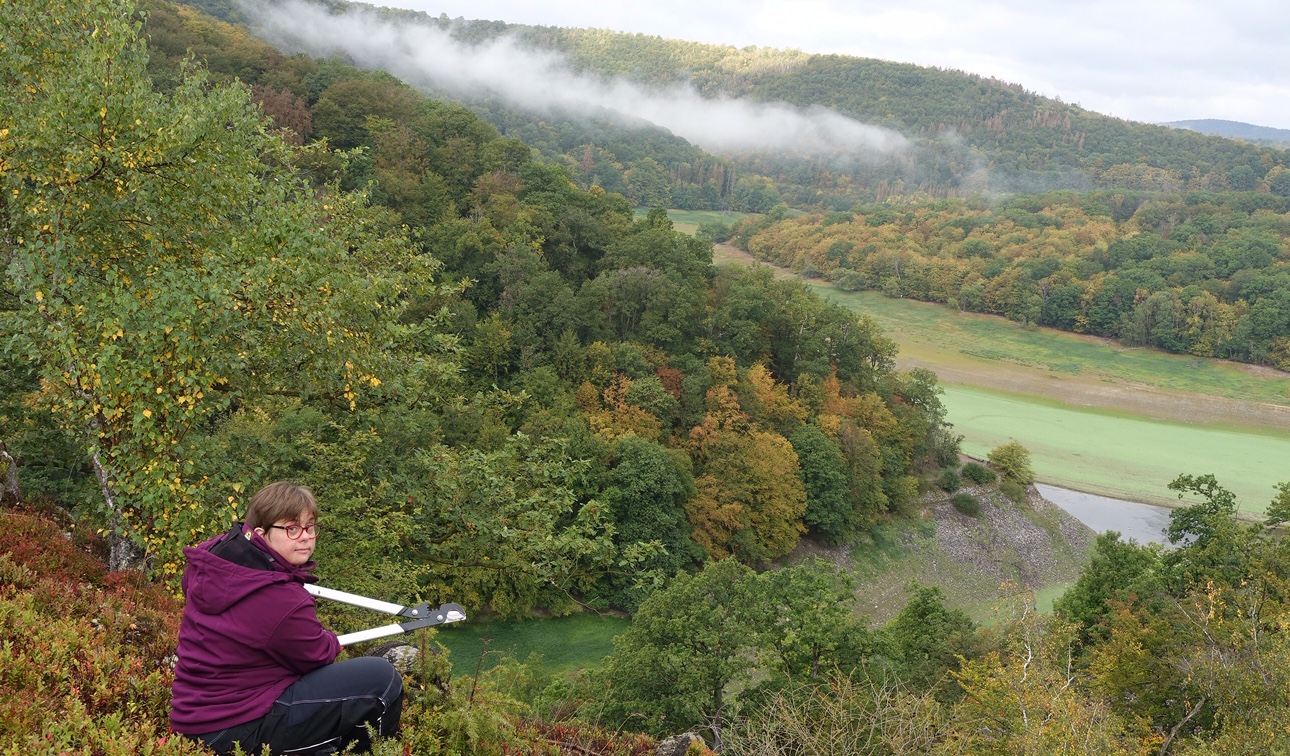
x,y
1116,454
568,643
1096,415
1119,450
688,221
924,329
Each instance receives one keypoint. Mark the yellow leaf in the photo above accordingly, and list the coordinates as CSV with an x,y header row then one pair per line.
x,y
147,413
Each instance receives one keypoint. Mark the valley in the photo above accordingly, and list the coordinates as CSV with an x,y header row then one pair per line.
x,y
426,273
1097,416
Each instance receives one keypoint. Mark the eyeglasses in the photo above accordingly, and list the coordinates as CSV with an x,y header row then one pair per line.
x,y
295,531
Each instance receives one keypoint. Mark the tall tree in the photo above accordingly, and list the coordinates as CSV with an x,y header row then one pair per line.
x,y
1118,572
166,262
809,626
649,486
511,529
823,470
930,640
689,643
749,500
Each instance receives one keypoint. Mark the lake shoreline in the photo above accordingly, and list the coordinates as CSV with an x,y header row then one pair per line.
x,y
1093,420
1135,520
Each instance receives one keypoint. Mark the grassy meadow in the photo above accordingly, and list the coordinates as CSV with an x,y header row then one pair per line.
x,y
936,332
688,221
1096,415
565,644
1118,454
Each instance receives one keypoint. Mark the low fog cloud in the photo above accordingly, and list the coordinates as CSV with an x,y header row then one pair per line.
x,y
543,82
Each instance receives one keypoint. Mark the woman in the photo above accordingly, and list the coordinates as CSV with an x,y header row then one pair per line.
x,y
255,664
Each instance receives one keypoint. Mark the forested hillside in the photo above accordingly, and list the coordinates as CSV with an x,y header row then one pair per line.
x,y
477,348
1200,273
1183,247
967,134
1236,130
1025,142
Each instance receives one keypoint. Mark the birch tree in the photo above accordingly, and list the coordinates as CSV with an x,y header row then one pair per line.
x,y
166,263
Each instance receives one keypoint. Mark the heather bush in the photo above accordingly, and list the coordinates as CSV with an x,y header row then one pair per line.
x,y
967,504
84,653
1013,490
978,473
950,481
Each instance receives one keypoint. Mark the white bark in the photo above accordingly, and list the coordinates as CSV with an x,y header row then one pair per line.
x,y
9,486
123,553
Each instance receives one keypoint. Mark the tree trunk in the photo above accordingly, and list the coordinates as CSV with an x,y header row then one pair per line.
x,y
717,723
123,553
9,490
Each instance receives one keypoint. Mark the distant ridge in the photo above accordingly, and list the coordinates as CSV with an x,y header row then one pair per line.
x,y
1234,130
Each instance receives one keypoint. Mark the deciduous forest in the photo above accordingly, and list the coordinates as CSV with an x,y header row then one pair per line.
x,y
1197,273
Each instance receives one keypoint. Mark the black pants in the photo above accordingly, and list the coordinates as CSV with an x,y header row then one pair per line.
x,y
323,712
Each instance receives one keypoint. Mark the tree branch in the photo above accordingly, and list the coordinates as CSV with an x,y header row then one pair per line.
x,y
1164,747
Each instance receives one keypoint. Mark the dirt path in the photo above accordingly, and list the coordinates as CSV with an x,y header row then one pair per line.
x,y
1078,391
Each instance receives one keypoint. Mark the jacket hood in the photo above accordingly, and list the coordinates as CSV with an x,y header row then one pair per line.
x,y
225,570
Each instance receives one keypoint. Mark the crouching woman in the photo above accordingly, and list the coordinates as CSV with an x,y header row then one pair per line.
x,y
255,666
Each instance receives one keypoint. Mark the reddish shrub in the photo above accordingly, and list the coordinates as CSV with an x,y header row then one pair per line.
x,y
34,540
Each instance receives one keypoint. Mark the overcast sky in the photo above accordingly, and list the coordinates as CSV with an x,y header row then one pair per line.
x,y
1144,60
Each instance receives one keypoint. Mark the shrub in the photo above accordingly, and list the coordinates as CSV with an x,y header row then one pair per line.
x,y
978,473
943,446
1013,490
84,653
950,481
1013,461
31,538
967,504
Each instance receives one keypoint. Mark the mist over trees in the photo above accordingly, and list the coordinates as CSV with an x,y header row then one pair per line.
x,y
946,133
1193,226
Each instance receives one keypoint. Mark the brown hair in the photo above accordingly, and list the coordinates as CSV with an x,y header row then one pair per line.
x,y
280,501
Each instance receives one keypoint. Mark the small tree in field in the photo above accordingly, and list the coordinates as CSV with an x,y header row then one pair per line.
x,y
1013,462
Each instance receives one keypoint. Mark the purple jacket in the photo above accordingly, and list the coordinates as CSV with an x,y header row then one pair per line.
x,y
249,631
